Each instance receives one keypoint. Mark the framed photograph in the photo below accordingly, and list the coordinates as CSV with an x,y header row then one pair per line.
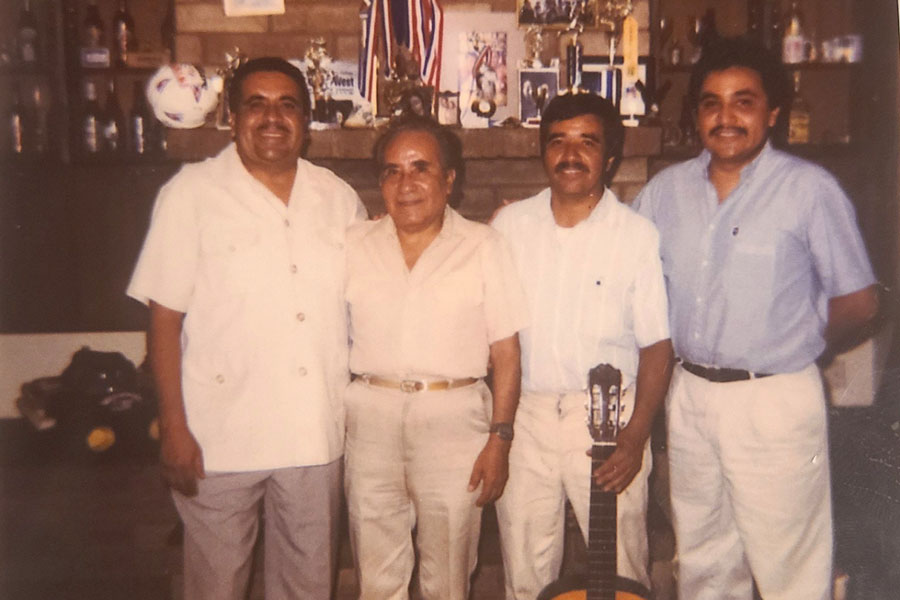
x,y
248,8
556,14
536,87
481,51
448,108
609,81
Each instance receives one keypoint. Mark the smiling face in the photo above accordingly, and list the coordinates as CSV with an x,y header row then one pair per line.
x,y
269,125
414,184
575,158
734,116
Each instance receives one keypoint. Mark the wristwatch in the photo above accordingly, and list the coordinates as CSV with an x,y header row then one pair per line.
x,y
504,431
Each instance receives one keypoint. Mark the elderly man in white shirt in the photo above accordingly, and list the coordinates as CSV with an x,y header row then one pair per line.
x,y
243,271
593,279
432,298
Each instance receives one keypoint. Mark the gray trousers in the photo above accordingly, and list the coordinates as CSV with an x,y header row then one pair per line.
x,y
301,507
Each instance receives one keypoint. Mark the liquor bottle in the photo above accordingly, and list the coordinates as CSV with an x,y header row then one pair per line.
x,y
793,42
113,126
123,31
167,31
93,32
27,35
140,123
799,117
91,119
40,134
16,120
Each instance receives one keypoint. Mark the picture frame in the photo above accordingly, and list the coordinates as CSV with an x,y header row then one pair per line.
x,y
464,21
448,108
609,81
249,8
556,14
537,86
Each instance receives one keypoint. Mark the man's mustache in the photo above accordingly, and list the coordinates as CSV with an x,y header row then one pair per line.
x,y
560,167
720,128
273,127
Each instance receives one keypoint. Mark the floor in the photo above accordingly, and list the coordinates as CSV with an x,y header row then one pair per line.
x,y
73,529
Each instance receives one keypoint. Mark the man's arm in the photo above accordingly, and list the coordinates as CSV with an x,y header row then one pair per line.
x,y
491,468
180,454
849,319
654,371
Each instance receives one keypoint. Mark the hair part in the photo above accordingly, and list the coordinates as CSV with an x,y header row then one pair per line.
x,y
266,64
746,53
568,106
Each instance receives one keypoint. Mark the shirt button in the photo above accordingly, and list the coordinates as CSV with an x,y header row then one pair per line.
x,y
287,222
705,263
301,316
220,378
301,371
696,336
293,268
699,299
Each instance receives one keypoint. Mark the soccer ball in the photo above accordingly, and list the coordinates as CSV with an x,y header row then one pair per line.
x,y
181,96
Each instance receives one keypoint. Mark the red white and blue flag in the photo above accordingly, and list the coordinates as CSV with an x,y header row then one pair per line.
x,y
415,24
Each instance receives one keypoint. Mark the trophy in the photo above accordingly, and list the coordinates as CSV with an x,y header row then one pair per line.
x,y
574,51
534,47
319,75
234,58
612,15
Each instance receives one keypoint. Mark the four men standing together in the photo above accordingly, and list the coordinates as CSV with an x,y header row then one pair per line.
x,y
251,274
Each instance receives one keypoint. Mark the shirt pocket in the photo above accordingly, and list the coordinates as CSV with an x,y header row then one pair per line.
x,y
232,257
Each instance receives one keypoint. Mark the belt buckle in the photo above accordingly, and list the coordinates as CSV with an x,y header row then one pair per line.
x,y
410,386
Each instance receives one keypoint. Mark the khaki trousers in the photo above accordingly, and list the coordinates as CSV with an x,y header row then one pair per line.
x,y
751,494
547,464
408,460
301,507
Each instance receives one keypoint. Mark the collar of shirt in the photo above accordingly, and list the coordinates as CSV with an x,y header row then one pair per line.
x,y
599,212
747,173
449,226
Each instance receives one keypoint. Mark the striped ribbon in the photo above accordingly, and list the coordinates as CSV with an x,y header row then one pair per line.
x,y
415,24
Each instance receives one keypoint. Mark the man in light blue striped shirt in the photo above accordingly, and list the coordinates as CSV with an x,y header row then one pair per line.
x,y
765,271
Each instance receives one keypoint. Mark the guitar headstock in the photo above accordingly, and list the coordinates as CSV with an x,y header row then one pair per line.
x,y
604,403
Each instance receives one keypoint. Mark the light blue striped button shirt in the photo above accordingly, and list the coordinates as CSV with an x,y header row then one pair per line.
x,y
749,279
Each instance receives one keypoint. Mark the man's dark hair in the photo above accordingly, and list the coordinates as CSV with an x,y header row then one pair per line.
x,y
449,147
266,64
568,106
743,52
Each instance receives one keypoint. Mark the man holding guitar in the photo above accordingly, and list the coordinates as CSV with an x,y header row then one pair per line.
x,y
594,285
756,243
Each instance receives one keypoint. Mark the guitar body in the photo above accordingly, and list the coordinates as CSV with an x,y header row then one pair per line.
x,y
575,588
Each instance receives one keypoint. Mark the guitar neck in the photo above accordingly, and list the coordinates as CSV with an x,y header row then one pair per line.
x,y
601,577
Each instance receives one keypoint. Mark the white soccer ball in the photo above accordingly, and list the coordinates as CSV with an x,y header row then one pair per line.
x,y
181,96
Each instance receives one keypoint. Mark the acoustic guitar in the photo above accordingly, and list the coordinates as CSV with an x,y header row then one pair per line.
x,y
601,581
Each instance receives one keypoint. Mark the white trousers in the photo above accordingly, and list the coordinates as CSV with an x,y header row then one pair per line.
x,y
301,507
751,496
547,464
408,461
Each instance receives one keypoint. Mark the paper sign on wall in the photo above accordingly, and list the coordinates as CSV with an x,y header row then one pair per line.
x,y
247,8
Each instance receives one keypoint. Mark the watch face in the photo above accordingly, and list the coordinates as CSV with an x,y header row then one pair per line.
x,y
503,430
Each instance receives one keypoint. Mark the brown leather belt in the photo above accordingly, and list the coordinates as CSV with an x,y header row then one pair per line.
x,y
720,375
411,386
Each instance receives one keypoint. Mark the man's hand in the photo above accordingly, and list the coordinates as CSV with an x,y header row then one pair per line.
x,y
616,473
491,470
182,461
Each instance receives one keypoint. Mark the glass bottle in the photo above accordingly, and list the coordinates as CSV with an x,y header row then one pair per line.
x,y
27,35
140,122
93,31
91,134
123,34
113,126
799,117
16,121
40,134
793,42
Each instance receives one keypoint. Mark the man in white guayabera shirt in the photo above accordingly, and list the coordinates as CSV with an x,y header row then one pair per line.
x,y
592,275
243,271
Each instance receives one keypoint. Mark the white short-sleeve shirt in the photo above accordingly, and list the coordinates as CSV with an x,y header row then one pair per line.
x,y
438,319
262,285
595,291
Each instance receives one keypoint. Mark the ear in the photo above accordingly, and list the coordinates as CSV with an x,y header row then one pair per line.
x,y
451,177
773,116
231,124
610,161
